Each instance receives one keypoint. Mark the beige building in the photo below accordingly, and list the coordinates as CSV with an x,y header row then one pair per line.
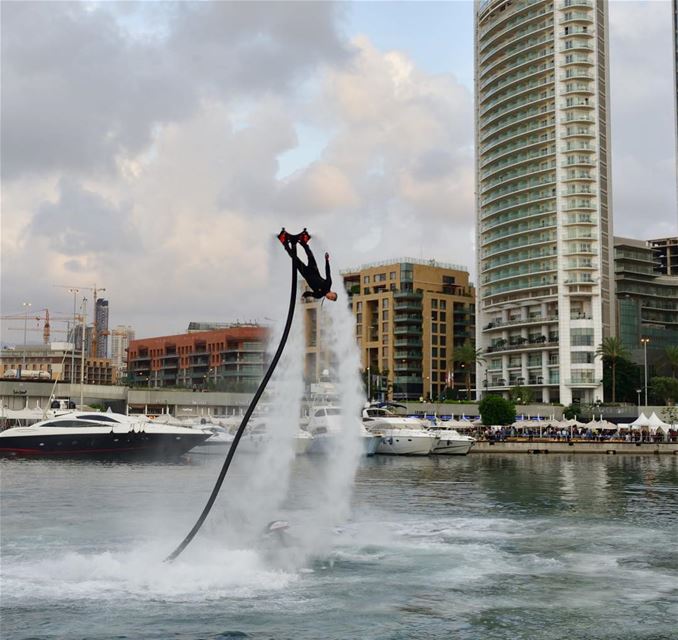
x,y
53,361
410,314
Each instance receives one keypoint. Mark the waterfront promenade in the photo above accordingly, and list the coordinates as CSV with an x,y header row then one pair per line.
x,y
546,445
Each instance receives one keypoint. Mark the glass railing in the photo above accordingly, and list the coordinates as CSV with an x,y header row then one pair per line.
x,y
517,132
495,114
518,146
516,216
515,160
486,212
525,242
518,35
522,88
510,176
513,273
503,82
516,188
520,257
535,42
513,22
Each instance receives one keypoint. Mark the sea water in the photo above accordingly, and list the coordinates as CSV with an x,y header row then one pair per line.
x,y
485,546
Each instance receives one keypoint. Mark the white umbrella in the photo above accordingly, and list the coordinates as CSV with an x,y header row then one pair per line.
x,y
641,421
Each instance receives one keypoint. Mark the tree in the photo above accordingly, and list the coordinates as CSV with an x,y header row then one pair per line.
x,y
522,395
629,378
468,356
496,410
665,388
672,356
612,350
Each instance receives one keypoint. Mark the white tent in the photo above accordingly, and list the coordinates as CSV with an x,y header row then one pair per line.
x,y
601,425
654,423
641,422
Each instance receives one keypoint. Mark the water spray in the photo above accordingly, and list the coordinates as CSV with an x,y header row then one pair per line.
x,y
241,429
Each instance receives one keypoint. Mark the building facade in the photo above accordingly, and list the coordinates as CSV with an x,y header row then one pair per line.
x,y
544,239
666,253
409,316
226,359
120,339
50,362
101,328
647,299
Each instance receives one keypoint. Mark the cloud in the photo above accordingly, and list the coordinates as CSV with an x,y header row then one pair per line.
x,y
642,120
82,222
80,89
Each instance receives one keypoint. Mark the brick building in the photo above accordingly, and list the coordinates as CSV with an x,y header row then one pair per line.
x,y
228,359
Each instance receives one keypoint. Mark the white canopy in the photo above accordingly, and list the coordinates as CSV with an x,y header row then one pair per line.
x,y
641,421
601,425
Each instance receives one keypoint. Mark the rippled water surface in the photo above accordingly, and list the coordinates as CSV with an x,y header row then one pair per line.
x,y
485,546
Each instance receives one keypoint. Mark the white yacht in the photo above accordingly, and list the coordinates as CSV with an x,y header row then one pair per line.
x,y
326,426
400,435
256,437
451,442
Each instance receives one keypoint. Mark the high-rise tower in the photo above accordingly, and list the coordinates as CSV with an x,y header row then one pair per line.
x,y
543,182
101,321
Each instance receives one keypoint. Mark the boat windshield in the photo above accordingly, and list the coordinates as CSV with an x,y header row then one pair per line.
x,y
70,424
98,417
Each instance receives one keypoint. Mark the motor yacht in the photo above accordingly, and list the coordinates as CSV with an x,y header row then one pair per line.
x,y
91,434
326,425
451,442
256,438
400,435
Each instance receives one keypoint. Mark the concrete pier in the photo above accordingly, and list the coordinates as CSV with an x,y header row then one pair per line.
x,y
577,446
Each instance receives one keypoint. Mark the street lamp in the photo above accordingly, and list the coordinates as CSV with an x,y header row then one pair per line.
x,y
644,342
27,307
638,391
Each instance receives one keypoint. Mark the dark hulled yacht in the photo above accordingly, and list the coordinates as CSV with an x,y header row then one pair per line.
x,y
81,434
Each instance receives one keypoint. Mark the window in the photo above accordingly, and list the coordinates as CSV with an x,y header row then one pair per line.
x,y
443,340
443,352
384,303
434,339
443,304
384,327
359,306
443,327
581,337
434,352
443,316
434,315
582,357
434,327
392,275
434,303
358,317
384,315
366,279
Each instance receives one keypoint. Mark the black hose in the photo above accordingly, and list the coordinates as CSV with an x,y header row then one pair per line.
x,y
243,424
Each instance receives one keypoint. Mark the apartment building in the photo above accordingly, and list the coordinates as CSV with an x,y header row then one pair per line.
x,y
544,239
229,359
647,299
409,316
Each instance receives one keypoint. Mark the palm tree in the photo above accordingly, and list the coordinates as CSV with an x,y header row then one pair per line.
x,y
468,356
612,349
672,356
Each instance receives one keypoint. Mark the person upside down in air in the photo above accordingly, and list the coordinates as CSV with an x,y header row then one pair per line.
x,y
320,287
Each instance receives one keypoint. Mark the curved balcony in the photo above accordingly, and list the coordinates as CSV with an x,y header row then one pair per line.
x,y
504,82
578,59
577,45
520,145
513,18
510,232
505,45
408,318
580,133
501,348
514,217
525,47
516,133
511,177
520,89
500,325
516,161
527,241
531,99
541,196
505,123
578,88
501,276
521,257
518,187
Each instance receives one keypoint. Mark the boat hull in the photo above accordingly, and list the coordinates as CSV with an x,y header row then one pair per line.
x,y
406,445
452,447
325,444
137,444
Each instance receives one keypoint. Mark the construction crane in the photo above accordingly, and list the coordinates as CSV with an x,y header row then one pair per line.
x,y
46,327
75,289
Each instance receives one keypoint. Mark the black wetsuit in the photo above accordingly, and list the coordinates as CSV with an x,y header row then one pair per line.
x,y
319,285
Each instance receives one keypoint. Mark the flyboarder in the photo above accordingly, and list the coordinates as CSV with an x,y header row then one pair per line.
x,y
320,287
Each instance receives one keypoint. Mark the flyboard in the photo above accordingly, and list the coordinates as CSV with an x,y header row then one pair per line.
x,y
284,237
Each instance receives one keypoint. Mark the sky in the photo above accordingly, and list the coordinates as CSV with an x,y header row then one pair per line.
x,y
155,149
